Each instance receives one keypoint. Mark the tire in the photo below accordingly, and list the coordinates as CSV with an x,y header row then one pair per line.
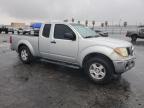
x,y
103,70
23,33
6,32
133,38
25,55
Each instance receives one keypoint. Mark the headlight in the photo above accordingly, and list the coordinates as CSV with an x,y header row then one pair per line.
x,y
121,51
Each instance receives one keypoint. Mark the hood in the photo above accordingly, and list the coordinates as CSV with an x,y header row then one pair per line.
x,y
110,42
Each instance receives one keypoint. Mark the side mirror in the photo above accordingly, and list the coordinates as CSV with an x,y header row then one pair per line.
x,y
69,36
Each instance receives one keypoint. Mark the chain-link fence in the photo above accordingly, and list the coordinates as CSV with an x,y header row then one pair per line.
x,y
116,29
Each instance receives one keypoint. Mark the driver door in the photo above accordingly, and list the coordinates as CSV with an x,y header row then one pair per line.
x,y
62,49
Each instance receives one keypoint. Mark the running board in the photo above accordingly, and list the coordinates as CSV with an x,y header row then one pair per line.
x,y
61,63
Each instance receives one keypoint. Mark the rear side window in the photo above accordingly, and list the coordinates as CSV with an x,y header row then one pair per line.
x,y
60,30
46,30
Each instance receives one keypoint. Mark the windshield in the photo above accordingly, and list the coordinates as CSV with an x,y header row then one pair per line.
x,y
84,31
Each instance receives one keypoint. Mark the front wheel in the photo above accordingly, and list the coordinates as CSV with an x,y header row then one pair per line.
x,y
99,70
25,55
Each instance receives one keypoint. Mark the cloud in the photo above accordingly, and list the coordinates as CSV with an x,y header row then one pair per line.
x,y
100,10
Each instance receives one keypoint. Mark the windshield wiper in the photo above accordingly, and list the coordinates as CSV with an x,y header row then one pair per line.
x,y
92,36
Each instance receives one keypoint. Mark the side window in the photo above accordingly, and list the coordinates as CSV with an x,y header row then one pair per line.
x,y
46,30
60,30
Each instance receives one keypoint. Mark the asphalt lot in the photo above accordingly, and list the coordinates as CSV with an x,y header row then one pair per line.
x,y
44,85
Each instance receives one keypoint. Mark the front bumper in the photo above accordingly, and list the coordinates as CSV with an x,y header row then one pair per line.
x,y
122,66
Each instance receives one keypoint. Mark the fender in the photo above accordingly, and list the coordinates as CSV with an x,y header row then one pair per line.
x,y
134,34
27,43
107,51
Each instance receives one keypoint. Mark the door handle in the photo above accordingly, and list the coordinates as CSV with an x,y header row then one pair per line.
x,y
54,42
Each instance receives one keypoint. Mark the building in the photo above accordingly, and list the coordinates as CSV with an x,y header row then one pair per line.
x,y
17,25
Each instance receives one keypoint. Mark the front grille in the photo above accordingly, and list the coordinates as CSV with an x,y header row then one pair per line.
x,y
130,51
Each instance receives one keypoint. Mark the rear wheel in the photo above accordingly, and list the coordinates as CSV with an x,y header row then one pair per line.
x,y
25,55
99,70
133,38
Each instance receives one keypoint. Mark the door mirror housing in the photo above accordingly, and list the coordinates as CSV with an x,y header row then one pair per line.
x,y
70,36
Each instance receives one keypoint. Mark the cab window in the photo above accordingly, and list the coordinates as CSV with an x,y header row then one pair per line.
x,y
46,30
60,30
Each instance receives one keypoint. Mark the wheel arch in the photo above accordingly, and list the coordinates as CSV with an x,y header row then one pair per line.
x,y
28,45
134,34
96,54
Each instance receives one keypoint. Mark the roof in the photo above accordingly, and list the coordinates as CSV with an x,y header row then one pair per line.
x,y
59,22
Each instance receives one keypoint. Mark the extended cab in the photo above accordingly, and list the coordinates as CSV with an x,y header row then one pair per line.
x,y
75,45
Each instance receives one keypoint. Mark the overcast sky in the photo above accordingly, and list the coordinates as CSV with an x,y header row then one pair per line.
x,y
46,10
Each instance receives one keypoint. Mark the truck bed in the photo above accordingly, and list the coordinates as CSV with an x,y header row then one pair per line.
x,y
32,41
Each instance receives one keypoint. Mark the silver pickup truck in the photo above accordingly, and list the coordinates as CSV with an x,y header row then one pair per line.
x,y
77,46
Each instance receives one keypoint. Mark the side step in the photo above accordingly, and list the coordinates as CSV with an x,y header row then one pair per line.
x,y
61,63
